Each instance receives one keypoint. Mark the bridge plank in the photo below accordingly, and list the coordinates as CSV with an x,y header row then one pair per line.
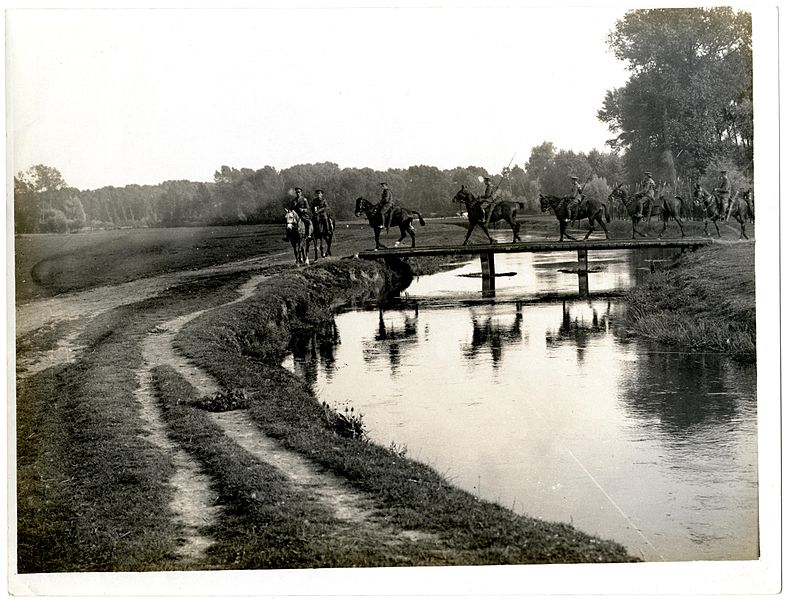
x,y
546,246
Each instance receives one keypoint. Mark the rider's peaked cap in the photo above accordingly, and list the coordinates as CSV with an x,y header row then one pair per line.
x,y
723,171
487,179
647,172
318,191
297,189
573,177
383,183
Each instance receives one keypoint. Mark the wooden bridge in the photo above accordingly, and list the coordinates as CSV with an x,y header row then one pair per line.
x,y
487,252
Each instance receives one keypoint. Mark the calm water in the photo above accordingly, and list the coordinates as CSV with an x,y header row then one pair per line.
x,y
551,409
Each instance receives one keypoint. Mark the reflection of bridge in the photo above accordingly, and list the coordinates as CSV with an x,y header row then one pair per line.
x,y
487,253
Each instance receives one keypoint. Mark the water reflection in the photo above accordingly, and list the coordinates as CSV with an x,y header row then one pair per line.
x,y
489,332
392,338
310,351
576,331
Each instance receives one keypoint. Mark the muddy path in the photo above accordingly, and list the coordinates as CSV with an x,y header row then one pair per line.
x,y
193,502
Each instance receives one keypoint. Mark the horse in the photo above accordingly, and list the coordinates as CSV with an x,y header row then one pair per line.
x,y
712,207
665,208
503,211
742,209
295,231
636,207
590,209
323,225
403,217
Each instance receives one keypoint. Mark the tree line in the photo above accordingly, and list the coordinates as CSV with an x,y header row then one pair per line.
x,y
684,114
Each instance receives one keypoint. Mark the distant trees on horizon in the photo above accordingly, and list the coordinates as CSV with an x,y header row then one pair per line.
x,y
685,113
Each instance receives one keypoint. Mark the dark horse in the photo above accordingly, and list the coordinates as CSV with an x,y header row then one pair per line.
x,y
712,207
503,211
296,234
591,209
323,225
639,207
403,217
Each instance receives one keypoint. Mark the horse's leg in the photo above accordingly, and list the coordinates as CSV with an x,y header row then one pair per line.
x,y
486,231
469,231
705,222
716,225
742,222
411,231
402,233
376,238
604,227
591,230
679,221
664,228
514,229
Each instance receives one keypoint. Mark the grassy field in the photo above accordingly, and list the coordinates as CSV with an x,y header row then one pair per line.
x,y
51,264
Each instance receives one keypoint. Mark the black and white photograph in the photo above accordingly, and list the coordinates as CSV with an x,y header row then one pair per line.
x,y
386,299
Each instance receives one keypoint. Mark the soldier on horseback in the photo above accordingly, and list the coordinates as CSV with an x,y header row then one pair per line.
x,y
386,205
722,191
319,204
487,199
648,190
300,204
574,201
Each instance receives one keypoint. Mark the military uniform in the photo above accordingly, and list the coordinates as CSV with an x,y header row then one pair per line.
x,y
386,205
487,199
648,189
575,199
722,191
300,204
319,204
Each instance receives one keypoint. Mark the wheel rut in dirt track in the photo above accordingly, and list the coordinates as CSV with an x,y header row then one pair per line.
x,y
194,506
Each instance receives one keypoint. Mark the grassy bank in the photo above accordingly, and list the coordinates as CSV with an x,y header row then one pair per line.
x,y
704,301
243,345
92,490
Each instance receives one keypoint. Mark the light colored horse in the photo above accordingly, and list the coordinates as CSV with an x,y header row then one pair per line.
x,y
295,231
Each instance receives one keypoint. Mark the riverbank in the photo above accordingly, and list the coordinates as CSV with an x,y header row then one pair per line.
x,y
704,301
242,347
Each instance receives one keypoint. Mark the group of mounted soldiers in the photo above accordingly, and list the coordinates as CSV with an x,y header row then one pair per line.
x,y
574,201
647,190
300,204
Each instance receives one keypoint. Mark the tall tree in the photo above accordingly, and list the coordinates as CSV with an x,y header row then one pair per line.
x,y
687,104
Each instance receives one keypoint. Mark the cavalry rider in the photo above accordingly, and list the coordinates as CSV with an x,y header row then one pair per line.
x,y
319,204
300,204
648,190
722,191
488,201
386,205
575,199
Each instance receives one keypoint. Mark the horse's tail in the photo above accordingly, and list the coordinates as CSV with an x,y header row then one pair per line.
x,y
520,205
420,218
607,218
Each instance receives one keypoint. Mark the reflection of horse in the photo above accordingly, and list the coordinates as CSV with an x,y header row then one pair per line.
x,y
403,217
323,225
591,209
503,211
295,231
489,332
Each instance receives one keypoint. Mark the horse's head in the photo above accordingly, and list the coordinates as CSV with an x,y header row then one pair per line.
x,y
360,205
544,202
617,193
462,195
291,218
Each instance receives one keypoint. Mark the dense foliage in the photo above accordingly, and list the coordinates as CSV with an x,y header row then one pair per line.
x,y
686,111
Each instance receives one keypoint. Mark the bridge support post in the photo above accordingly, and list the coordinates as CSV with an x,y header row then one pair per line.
x,y
488,274
582,273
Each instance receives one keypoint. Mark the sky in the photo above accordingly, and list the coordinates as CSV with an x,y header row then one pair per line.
x,y
115,97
